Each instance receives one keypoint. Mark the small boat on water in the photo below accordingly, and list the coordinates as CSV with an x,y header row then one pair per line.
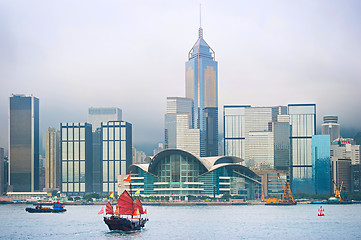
x,y
127,216
128,213
57,208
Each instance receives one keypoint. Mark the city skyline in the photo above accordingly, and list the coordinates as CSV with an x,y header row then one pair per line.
x,y
131,56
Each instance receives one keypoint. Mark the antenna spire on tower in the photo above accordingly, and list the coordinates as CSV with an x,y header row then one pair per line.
x,y
200,31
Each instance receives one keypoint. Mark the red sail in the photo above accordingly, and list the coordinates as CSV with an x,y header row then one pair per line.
x,y
109,209
125,204
138,205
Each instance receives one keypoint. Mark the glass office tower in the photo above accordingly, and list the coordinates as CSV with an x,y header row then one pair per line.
x,y
76,158
97,160
24,143
117,153
303,121
321,164
2,171
202,88
234,131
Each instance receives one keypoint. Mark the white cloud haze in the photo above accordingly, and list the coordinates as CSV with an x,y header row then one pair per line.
x,y
131,55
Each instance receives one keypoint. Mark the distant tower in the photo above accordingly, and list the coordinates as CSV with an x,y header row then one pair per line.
x,y
98,115
179,133
202,88
2,170
24,143
52,159
331,127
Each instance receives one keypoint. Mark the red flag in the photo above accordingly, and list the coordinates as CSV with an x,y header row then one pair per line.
x,y
127,179
172,193
101,211
116,210
145,211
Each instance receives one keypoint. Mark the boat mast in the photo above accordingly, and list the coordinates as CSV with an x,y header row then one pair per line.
x,y
131,195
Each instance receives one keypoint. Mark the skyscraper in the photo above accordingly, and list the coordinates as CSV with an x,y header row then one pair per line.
x,y
97,160
259,135
117,153
282,149
76,158
202,88
179,133
2,171
24,143
234,131
303,121
52,159
321,164
97,115
331,127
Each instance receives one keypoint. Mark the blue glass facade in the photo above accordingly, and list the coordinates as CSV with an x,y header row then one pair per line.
x,y
181,173
321,164
202,87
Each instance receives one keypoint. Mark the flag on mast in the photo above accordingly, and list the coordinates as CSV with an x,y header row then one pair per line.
x,y
136,212
127,179
112,195
101,211
116,210
138,191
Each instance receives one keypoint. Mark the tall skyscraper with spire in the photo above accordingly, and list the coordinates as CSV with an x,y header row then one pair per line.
x,y
202,87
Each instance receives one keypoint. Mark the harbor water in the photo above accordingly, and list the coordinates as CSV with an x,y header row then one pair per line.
x,y
189,222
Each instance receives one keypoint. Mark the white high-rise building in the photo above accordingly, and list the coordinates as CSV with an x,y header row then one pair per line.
x,y
98,115
343,149
179,133
259,141
260,151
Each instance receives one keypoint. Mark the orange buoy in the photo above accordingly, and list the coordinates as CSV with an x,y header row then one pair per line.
x,y
321,211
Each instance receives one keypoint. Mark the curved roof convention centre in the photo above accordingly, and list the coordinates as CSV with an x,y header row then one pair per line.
x,y
207,164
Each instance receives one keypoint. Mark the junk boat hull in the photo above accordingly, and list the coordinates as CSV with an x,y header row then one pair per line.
x,y
124,224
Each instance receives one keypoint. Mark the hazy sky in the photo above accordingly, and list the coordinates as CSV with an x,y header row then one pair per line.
x,y
131,54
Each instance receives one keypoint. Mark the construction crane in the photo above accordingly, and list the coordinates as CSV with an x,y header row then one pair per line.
x,y
287,194
337,191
